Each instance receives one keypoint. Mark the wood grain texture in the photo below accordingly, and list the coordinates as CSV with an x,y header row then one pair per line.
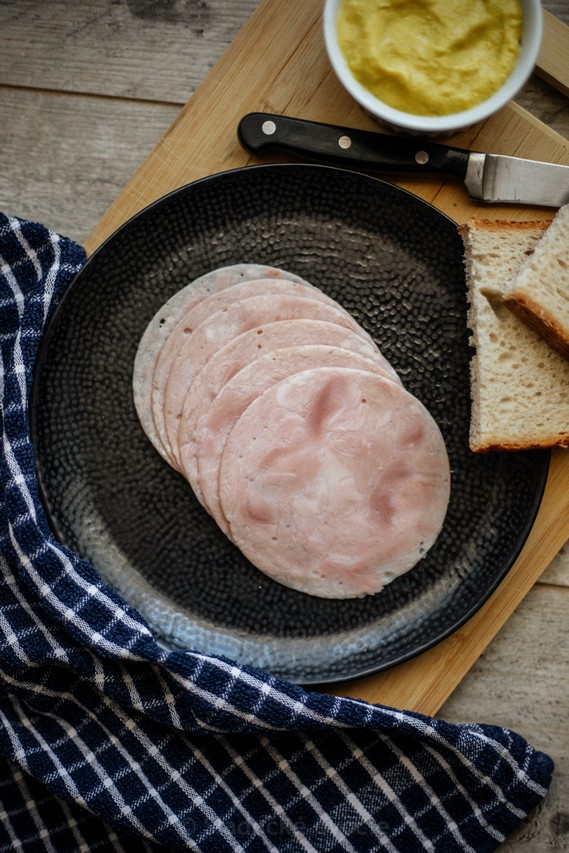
x,y
557,573
549,105
89,90
67,157
552,60
140,49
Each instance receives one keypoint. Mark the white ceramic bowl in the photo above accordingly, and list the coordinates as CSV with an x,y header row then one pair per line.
x,y
530,43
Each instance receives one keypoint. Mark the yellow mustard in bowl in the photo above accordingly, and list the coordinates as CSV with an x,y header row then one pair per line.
x,y
430,57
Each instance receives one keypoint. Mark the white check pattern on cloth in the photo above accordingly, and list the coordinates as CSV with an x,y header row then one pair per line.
x,y
109,742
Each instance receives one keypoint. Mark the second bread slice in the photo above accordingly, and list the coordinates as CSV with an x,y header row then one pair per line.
x,y
539,294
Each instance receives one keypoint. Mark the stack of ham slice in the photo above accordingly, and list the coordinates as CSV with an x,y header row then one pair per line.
x,y
294,431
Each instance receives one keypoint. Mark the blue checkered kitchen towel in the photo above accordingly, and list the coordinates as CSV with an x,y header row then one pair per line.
x,y
108,742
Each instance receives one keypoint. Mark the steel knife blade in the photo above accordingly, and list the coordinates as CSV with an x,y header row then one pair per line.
x,y
493,178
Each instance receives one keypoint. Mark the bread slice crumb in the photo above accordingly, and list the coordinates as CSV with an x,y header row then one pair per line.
x,y
519,383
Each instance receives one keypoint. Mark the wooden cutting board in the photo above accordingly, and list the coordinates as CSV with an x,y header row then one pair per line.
x,y
263,70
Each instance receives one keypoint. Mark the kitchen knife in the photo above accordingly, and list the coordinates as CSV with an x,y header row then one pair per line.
x,y
489,177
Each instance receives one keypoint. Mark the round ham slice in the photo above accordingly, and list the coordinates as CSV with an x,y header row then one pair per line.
x,y
201,445
192,318
160,326
221,327
334,481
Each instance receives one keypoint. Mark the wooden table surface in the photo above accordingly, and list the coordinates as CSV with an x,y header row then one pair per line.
x,y
86,90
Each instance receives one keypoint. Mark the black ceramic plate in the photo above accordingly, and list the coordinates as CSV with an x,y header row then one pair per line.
x,y
396,264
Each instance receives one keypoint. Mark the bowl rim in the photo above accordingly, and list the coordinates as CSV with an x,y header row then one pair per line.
x,y
532,30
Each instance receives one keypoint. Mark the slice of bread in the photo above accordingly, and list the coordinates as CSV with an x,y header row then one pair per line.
x,y
519,384
539,294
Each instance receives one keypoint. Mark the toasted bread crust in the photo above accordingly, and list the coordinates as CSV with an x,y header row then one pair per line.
x,y
538,294
501,225
532,313
499,444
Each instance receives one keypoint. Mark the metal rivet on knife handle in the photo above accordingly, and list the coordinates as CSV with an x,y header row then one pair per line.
x,y
421,157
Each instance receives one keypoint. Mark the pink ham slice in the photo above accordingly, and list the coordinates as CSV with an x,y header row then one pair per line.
x,y
163,322
334,481
191,319
202,445
228,323
253,344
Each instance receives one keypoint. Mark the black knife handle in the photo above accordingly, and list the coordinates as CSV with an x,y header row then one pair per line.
x,y
347,146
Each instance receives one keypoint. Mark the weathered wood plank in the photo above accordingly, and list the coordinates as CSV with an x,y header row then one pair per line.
x,y
552,59
500,690
548,105
140,49
557,573
64,158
